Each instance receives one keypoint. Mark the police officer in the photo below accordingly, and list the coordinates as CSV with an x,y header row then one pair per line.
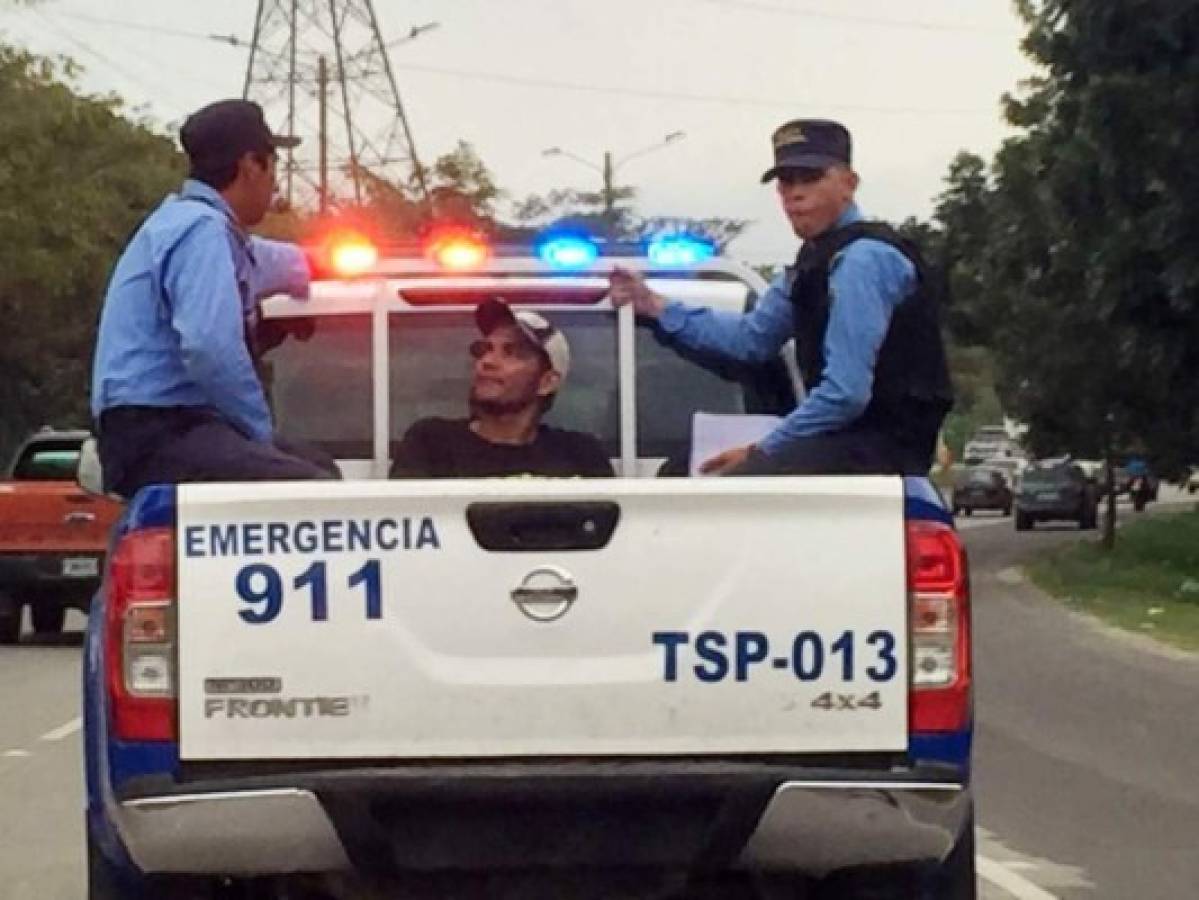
x,y
175,395
865,326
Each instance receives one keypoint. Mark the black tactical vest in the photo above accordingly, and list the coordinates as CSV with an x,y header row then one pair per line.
x,y
912,391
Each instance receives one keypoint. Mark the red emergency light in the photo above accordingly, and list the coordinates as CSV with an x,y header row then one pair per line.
x,y
342,255
457,250
353,256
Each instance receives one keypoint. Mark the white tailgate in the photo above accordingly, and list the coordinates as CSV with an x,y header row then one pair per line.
x,y
724,616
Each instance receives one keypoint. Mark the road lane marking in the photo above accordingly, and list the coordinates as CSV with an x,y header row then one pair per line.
x,y
62,731
16,754
1003,877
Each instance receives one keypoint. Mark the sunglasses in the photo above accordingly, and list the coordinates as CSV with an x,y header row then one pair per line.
x,y
518,351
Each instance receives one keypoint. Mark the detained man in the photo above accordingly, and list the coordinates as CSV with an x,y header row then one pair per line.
x,y
520,364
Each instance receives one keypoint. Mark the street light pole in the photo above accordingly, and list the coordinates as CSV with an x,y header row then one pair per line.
x,y
609,189
609,168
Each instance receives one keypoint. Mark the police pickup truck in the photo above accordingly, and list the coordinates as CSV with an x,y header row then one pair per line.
x,y
633,687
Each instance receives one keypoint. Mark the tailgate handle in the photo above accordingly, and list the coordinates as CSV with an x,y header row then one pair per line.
x,y
572,525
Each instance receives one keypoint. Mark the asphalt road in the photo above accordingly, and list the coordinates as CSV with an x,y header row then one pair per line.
x,y
1087,746
1085,766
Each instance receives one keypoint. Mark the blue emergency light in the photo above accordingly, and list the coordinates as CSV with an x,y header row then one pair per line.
x,y
679,250
568,251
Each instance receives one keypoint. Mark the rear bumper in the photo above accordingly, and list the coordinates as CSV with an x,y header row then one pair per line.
x,y
1047,510
973,501
275,831
379,821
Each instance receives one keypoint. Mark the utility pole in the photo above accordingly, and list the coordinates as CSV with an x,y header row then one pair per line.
x,y
291,105
609,188
1109,474
322,81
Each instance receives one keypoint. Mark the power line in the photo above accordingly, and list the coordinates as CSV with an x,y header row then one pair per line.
x,y
134,26
642,93
142,56
106,60
501,78
849,18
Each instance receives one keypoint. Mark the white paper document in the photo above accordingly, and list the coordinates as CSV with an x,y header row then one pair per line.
x,y
713,433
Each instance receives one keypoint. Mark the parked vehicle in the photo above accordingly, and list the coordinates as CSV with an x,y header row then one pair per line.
x,y
1056,491
52,535
982,488
988,443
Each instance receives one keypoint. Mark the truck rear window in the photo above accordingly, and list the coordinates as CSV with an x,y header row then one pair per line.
x,y
319,383
431,375
47,464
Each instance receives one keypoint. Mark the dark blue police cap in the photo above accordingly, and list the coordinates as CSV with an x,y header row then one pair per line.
x,y
809,144
223,131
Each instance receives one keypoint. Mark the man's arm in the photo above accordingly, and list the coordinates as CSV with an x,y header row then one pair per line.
x,y
279,267
866,284
206,314
755,336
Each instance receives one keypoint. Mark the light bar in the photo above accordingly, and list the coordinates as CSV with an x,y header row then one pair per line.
x,y
679,251
353,256
458,250
568,252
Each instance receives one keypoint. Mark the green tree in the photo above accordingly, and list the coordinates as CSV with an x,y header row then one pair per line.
x,y
963,221
584,210
76,176
463,188
1095,225
463,192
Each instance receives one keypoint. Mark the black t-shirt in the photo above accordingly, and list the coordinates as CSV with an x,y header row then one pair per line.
x,y
448,448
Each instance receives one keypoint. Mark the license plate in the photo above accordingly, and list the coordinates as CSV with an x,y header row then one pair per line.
x,y
1050,495
80,567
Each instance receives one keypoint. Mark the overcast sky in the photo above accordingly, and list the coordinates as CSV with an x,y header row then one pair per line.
x,y
914,81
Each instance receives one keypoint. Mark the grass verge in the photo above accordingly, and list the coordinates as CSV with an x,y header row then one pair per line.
x,y
1148,584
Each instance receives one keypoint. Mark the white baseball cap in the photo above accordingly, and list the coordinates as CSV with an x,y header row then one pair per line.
x,y
494,312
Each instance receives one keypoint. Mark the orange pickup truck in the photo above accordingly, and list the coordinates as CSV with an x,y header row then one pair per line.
x,y
53,535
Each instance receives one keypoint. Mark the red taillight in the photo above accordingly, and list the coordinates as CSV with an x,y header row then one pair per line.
x,y
139,651
458,250
939,592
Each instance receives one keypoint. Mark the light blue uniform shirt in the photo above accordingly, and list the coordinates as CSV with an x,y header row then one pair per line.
x,y
867,280
173,325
